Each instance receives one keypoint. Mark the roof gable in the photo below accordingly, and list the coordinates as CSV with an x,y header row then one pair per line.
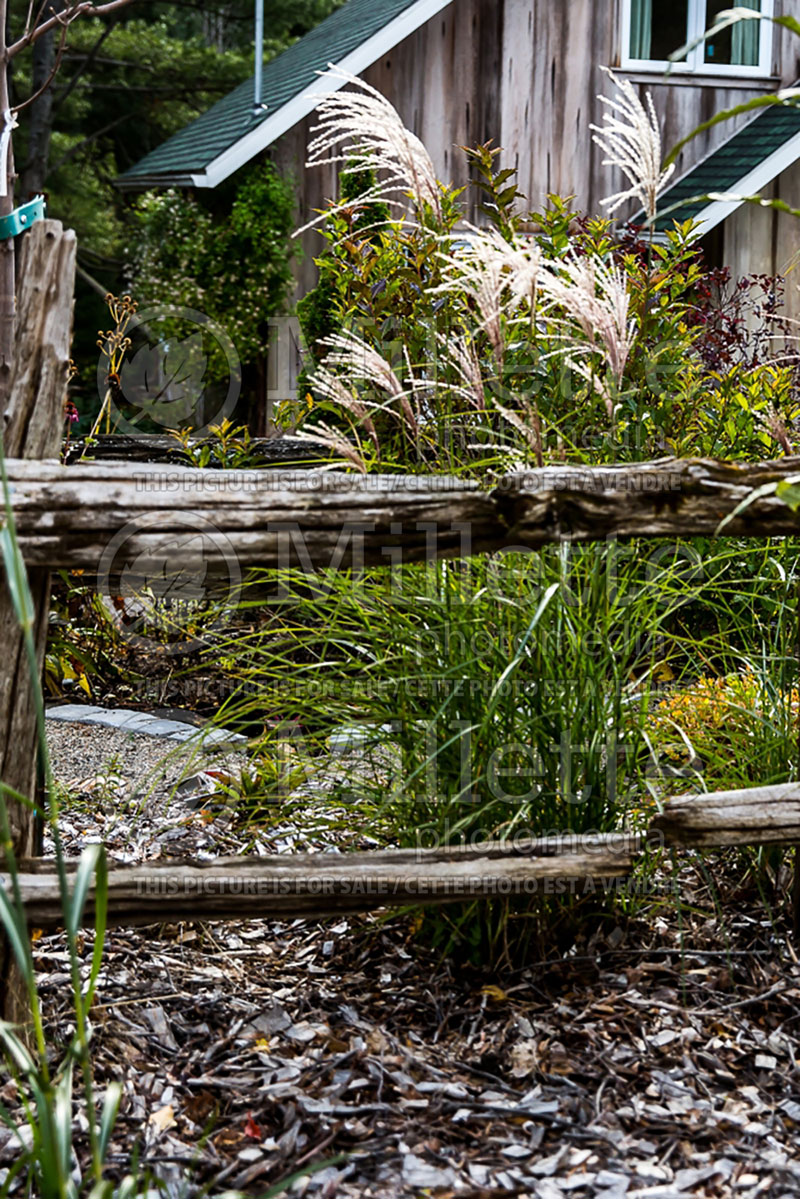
x,y
744,164
227,136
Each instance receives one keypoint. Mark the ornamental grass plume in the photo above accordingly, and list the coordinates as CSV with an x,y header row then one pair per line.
x,y
631,140
322,434
596,295
363,130
333,388
496,274
361,361
460,354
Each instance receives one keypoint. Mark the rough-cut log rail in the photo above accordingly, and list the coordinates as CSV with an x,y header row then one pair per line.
x,y
672,497
319,885
755,816
68,515
313,886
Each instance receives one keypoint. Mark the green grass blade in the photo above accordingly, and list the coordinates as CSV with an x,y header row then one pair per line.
x,y
83,881
100,922
14,926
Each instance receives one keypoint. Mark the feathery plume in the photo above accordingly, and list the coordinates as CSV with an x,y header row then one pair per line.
x,y
496,274
332,387
531,433
361,361
631,140
460,353
596,295
368,134
323,434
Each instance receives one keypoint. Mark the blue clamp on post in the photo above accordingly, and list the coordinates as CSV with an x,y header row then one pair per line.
x,y
21,218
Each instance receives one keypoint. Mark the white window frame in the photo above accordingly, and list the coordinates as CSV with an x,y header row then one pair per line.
x,y
695,64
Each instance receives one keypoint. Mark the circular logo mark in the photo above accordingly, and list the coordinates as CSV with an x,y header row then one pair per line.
x,y
181,369
172,589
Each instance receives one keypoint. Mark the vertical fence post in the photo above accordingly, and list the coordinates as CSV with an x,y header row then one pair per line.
x,y
33,423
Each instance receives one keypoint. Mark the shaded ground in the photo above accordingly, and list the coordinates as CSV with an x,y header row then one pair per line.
x,y
661,1058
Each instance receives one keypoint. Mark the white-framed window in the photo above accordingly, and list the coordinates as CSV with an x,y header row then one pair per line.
x,y
654,29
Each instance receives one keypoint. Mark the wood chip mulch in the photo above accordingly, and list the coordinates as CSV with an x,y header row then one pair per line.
x,y
657,1056
247,1052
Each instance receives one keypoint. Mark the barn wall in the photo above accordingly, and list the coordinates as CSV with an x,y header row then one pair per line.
x,y
526,74
761,240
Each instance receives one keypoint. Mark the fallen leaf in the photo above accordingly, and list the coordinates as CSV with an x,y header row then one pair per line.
x,y
251,1129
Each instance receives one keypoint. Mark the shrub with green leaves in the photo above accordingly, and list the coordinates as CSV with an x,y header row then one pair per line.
x,y
231,262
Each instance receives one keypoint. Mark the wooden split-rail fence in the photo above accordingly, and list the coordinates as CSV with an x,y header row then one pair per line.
x,y
67,515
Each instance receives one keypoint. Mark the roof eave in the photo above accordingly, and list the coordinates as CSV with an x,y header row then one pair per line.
x,y
140,183
748,185
290,114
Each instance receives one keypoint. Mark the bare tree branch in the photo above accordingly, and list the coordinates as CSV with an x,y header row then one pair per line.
x,y
40,91
70,14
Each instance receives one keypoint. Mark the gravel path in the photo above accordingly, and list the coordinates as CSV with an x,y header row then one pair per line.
x,y
82,752
119,788
149,796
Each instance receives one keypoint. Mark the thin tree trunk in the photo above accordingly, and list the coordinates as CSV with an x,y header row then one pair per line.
x,y
40,115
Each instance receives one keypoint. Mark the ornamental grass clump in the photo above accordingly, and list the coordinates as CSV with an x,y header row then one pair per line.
x,y
539,336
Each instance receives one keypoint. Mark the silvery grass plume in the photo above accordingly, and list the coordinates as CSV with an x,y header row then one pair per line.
x,y
529,428
363,130
596,296
459,353
496,274
331,386
322,434
631,140
360,360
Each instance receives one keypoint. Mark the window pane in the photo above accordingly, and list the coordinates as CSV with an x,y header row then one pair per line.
x,y
658,28
738,44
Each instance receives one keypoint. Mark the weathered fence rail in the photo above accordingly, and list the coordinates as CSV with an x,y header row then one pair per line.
x,y
160,447
319,885
315,886
67,516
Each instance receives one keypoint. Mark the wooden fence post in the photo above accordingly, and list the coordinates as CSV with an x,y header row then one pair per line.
x,y
33,424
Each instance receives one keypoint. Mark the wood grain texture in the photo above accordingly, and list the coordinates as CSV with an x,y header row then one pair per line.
x,y
753,816
34,419
526,74
318,885
32,427
99,516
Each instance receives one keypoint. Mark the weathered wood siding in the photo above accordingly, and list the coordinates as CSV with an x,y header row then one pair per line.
x,y
526,73
762,241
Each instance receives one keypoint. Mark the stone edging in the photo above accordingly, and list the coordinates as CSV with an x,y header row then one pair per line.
x,y
143,724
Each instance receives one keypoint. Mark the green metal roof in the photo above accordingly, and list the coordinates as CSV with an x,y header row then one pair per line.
x,y
193,148
722,170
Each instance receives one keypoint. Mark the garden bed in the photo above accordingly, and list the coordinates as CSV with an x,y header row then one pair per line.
x,y
657,1057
